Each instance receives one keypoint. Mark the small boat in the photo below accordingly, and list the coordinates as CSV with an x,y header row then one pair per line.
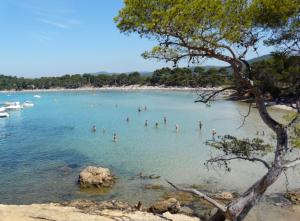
x,y
28,104
13,106
37,96
4,114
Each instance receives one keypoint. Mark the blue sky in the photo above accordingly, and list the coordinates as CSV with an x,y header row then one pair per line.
x,y
56,37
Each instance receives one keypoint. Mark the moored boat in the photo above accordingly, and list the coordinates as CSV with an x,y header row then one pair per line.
x,y
28,104
13,106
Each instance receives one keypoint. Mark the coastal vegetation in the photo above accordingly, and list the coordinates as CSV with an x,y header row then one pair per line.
x,y
194,30
277,75
181,77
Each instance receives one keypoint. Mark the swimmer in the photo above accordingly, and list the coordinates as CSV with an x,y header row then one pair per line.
x,y
165,120
177,128
115,139
94,128
146,123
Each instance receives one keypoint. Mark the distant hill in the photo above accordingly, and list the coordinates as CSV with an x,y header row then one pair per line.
x,y
205,67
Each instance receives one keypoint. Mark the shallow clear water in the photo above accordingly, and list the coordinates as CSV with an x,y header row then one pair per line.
x,y
43,149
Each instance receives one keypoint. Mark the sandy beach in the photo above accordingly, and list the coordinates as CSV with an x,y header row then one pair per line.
x,y
119,88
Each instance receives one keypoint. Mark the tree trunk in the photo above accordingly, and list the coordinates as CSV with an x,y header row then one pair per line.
x,y
238,209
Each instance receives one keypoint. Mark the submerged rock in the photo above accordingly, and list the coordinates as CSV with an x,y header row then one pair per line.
x,y
170,205
97,177
293,196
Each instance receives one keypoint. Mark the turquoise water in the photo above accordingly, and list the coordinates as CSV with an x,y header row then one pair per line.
x,y
43,149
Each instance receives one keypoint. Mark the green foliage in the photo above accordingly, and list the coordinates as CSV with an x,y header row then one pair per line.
x,y
282,18
279,76
231,145
182,77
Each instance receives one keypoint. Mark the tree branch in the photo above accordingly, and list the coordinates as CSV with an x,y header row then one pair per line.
x,y
292,163
201,195
205,99
251,159
245,116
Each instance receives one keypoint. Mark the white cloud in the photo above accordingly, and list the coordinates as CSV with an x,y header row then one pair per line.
x,y
56,24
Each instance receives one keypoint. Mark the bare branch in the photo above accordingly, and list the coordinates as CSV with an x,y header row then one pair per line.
x,y
251,159
201,195
205,98
245,116
293,163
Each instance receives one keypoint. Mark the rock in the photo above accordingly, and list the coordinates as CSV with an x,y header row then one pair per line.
x,y
92,206
227,196
98,177
170,205
154,187
186,210
293,196
213,211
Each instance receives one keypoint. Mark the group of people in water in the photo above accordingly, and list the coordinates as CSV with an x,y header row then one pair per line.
x,y
146,124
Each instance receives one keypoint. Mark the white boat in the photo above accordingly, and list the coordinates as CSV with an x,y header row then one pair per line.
x,y
37,96
28,104
13,106
4,114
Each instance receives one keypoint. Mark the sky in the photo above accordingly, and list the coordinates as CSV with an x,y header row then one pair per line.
x,y
56,37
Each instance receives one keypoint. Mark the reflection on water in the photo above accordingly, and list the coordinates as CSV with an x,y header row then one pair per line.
x,y
43,149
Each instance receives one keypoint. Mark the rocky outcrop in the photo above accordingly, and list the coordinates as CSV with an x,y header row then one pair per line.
x,y
56,212
98,177
170,205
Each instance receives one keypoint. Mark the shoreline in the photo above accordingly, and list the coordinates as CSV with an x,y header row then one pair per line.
x,y
117,88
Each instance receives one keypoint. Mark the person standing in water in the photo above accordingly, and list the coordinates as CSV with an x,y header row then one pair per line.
x,y
214,134
146,123
200,124
156,125
165,120
115,139
139,110
127,119
94,128
177,128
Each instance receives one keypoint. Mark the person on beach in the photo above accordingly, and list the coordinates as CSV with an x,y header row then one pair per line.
x,y
146,123
115,139
94,128
263,133
177,128
127,119
214,132
165,120
200,124
257,133
156,125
